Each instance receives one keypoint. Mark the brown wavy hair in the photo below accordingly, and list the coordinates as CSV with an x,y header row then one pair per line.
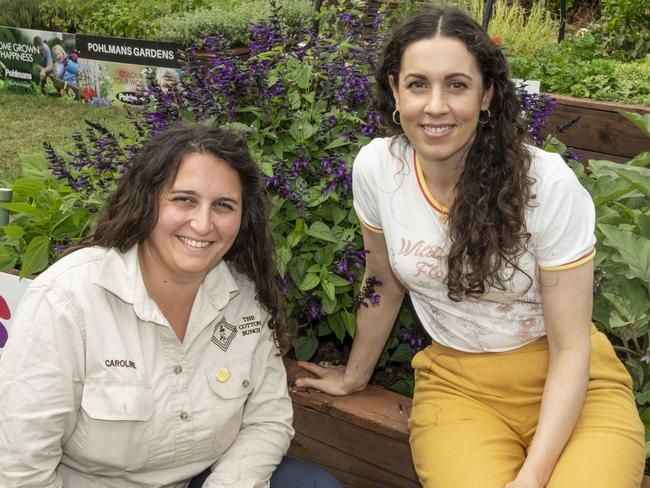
x,y
486,221
131,212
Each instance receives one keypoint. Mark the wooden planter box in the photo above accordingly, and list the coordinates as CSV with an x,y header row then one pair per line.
x,y
601,132
361,438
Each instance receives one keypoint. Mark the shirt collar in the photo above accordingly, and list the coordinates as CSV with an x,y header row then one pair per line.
x,y
120,275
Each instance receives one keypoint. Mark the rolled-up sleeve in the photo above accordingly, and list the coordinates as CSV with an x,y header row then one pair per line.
x,y
40,387
266,430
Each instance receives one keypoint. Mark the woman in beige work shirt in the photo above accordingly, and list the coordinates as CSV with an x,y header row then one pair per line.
x,y
150,354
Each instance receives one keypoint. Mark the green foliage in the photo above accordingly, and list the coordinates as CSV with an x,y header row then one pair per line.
x,y
625,27
23,13
120,18
520,29
577,67
621,194
234,22
48,214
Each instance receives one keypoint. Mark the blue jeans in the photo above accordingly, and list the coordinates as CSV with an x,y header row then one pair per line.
x,y
291,473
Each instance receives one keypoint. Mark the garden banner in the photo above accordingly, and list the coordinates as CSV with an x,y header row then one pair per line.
x,y
115,69
24,56
11,290
94,69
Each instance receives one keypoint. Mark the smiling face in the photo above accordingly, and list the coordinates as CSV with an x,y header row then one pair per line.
x,y
198,220
439,96
59,55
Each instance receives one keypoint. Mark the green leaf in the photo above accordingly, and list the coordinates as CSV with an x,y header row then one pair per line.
x,y
283,256
24,208
329,306
644,225
28,186
7,259
338,142
321,231
641,121
350,322
13,231
338,214
36,256
324,255
329,289
305,347
402,353
633,250
296,236
266,168
303,77
640,160
639,178
310,281
337,327
34,165
294,99
337,280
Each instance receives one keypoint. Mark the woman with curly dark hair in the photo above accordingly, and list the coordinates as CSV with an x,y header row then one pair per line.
x,y
149,354
494,241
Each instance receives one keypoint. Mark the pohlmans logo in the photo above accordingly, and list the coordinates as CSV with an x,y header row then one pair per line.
x,y
131,98
223,334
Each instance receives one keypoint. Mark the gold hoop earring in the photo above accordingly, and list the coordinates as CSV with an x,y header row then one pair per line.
x,y
489,114
395,113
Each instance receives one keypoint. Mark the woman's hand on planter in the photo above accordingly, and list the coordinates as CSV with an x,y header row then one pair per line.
x,y
329,379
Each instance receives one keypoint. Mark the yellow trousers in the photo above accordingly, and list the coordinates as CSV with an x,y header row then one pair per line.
x,y
474,416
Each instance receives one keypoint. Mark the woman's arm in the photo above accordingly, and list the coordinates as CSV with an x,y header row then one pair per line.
x,y
567,303
374,324
41,378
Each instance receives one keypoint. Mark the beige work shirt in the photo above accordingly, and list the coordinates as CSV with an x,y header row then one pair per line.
x,y
96,390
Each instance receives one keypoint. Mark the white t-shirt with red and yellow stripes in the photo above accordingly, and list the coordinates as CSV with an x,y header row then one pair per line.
x,y
392,198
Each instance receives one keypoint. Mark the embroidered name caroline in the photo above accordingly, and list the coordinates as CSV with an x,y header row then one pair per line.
x,y
119,363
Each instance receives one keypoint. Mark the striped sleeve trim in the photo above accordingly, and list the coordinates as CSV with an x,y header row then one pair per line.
x,y
573,264
376,230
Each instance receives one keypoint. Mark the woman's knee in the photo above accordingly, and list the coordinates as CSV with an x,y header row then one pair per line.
x,y
296,473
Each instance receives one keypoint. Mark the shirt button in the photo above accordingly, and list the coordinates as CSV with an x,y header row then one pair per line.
x,y
178,369
184,415
222,375
245,383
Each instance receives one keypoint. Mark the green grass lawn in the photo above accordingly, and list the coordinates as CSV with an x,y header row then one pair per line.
x,y
27,120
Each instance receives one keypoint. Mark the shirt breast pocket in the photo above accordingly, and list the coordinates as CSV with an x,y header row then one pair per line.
x,y
115,422
230,383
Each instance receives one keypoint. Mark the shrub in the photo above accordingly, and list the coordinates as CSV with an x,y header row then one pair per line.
x,y
625,26
621,194
234,23
520,29
119,18
23,13
575,68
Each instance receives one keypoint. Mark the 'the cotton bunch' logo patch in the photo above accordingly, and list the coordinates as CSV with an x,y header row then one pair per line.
x,y
223,334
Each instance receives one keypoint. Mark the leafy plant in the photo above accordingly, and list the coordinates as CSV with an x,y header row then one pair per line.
x,y
233,22
523,30
625,26
575,67
621,194
56,204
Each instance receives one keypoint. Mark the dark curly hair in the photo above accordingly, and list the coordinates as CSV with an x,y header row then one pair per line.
x,y
486,221
132,210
